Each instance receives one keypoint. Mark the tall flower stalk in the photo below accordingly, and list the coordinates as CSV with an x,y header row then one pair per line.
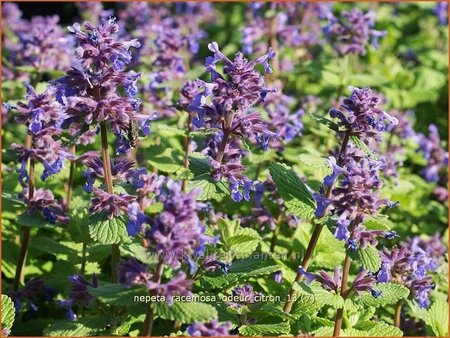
x,y
90,95
43,117
362,119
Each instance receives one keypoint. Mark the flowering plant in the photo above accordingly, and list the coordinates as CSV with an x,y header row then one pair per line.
x,y
225,169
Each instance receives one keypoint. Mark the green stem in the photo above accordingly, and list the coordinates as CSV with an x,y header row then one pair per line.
x,y
397,313
20,275
115,252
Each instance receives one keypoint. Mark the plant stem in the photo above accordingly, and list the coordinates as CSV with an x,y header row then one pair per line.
x,y
115,252
397,314
149,317
340,312
20,275
316,233
187,142
71,176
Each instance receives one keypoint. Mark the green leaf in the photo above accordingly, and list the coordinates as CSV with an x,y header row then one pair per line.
x,y
316,162
204,131
437,318
209,189
296,196
367,257
315,292
35,220
390,294
85,327
244,242
261,330
170,160
185,312
378,223
227,228
108,231
384,330
8,312
357,142
326,122
117,294
199,164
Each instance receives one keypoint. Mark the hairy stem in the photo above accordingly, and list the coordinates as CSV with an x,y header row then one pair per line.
x,y
397,313
316,233
71,176
20,275
149,317
115,252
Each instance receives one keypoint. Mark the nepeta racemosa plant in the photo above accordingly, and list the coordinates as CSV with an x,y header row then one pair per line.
x,y
43,117
357,195
91,98
223,105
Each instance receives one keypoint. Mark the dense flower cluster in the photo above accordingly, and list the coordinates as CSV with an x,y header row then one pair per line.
x,y
410,265
363,117
358,193
283,25
436,157
39,43
89,92
170,36
351,32
224,105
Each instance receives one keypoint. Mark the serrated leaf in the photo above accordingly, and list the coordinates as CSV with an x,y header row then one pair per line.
x,y
169,129
199,164
357,142
85,327
209,189
378,223
384,330
367,257
108,231
316,162
117,294
261,330
390,294
185,312
8,312
296,196
244,242
437,318
34,220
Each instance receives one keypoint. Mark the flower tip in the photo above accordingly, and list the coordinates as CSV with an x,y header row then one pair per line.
x,y
213,47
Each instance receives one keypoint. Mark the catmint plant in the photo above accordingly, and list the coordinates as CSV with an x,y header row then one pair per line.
x,y
91,98
42,117
224,105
